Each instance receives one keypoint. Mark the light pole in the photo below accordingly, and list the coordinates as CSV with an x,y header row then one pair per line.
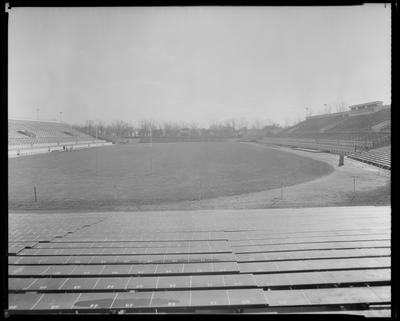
x,y
37,113
60,116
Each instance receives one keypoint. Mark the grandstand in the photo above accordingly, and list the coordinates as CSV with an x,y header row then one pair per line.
x,y
317,123
28,137
360,129
363,123
378,157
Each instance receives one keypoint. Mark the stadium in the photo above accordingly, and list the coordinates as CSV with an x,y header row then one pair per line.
x,y
199,160
195,248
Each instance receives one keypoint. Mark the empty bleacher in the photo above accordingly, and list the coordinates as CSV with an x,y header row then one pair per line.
x,y
362,123
316,124
378,157
341,133
27,137
320,260
325,145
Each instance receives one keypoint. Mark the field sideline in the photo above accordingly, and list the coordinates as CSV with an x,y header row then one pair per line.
x,y
140,175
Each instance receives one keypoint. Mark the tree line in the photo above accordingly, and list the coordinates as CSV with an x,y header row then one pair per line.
x,y
147,128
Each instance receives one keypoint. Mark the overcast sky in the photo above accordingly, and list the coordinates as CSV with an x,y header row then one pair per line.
x,y
199,64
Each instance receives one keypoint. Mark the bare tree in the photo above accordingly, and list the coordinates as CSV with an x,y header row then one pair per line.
x,y
340,107
171,129
257,124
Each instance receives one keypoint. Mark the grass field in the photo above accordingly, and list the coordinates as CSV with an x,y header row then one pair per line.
x,y
141,174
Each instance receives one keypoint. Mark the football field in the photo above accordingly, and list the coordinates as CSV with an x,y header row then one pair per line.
x,y
137,174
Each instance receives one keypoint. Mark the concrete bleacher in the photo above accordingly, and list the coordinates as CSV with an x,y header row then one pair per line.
x,y
325,145
341,133
378,157
316,124
362,122
328,259
29,137
339,123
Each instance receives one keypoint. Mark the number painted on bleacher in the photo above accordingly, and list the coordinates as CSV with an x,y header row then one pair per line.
x,y
171,303
54,307
129,305
139,286
213,302
42,287
12,307
172,285
77,286
94,305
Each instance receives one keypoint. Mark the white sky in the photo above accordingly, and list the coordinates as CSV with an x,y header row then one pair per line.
x,y
197,64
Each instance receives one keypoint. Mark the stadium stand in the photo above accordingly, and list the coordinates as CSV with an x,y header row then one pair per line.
x,y
342,133
325,145
362,123
28,137
378,157
316,124
383,126
320,260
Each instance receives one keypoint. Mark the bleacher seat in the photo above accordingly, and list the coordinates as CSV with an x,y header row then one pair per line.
x,y
362,122
378,157
28,137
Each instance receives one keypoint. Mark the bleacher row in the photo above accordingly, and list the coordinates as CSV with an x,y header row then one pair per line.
x,y
341,133
378,157
42,129
34,137
340,123
97,263
362,122
315,125
325,145
377,138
